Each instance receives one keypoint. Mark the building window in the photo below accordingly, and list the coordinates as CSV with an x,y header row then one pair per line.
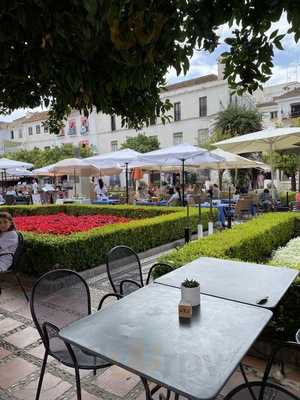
x,y
203,106
273,114
113,122
46,129
12,135
203,136
295,110
177,111
114,145
37,129
20,133
177,138
30,131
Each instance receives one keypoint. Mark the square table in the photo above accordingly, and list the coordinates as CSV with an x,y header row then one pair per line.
x,y
235,280
143,334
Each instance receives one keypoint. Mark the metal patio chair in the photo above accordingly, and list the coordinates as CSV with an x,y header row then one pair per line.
x,y
264,389
125,272
13,269
59,298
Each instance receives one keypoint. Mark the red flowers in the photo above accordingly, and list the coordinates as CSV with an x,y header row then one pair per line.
x,y
63,224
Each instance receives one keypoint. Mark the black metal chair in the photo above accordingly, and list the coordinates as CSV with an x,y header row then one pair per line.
x,y
124,270
13,269
265,390
59,298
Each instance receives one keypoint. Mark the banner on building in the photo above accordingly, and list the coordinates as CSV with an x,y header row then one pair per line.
x,y
84,125
72,127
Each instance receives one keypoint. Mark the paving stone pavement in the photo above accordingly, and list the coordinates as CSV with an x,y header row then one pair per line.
x,y
21,353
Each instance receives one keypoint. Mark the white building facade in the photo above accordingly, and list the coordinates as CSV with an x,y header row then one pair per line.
x,y
196,103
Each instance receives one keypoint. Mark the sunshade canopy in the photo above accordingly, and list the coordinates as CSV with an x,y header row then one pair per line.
x,y
265,140
74,166
6,163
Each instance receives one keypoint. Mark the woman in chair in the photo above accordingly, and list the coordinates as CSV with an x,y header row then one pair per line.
x,y
8,241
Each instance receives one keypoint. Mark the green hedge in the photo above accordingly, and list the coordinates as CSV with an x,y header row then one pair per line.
x,y
282,196
252,241
152,227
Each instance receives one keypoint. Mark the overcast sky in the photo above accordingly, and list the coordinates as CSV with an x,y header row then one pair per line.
x,y
286,63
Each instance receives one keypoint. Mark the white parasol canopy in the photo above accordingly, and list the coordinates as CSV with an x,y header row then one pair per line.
x,y
6,163
182,154
265,140
45,171
120,158
19,172
233,161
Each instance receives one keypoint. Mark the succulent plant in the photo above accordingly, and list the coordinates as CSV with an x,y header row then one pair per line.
x,y
190,283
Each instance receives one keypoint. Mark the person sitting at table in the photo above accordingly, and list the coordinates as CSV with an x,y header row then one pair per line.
x,y
175,199
8,241
265,200
215,191
101,191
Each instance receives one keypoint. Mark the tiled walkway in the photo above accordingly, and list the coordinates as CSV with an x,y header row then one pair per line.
x,y
21,353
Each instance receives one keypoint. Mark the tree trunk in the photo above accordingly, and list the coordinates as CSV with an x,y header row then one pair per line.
x,y
293,182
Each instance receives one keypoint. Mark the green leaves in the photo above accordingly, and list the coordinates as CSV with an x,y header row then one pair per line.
x,y
114,54
141,143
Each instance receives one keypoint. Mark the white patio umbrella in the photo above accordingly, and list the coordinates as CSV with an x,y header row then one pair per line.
x,y
120,158
233,161
19,172
6,163
45,171
74,166
185,154
267,140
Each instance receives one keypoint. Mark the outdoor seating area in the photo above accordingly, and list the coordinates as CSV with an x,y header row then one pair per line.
x,y
111,368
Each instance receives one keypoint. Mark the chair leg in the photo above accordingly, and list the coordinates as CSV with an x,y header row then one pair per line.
x,y
22,287
38,392
78,386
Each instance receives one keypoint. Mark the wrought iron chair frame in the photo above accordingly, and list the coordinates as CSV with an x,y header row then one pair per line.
x,y
45,338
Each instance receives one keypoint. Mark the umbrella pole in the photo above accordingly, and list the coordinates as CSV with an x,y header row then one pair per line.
x,y
75,191
5,178
272,170
182,200
126,179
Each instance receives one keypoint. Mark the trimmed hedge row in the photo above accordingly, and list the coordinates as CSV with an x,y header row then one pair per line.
x,y
252,241
84,250
79,209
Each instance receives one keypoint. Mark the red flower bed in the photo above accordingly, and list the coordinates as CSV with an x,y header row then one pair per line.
x,y
63,224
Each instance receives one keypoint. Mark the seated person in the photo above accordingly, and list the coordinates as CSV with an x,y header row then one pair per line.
x,y
11,192
215,191
8,241
265,200
273,191
175,199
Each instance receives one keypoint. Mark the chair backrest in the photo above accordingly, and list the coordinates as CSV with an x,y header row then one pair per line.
x,y
10,199
123,264
243,205
58,298
18,252
253,390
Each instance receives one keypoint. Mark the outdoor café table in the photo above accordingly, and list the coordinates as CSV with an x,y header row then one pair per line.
x,y
143,334
151,203
235,280
107,201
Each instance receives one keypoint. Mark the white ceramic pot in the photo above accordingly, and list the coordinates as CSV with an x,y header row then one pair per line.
x,y
190,295
200,231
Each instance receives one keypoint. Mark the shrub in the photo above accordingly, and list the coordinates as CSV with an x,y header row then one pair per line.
x,y
282,196
253,241
153,226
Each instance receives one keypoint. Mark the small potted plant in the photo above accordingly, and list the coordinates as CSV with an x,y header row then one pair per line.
x,y
190,292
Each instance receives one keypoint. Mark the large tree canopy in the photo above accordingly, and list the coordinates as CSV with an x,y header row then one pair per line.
x,y
114,54
142,143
